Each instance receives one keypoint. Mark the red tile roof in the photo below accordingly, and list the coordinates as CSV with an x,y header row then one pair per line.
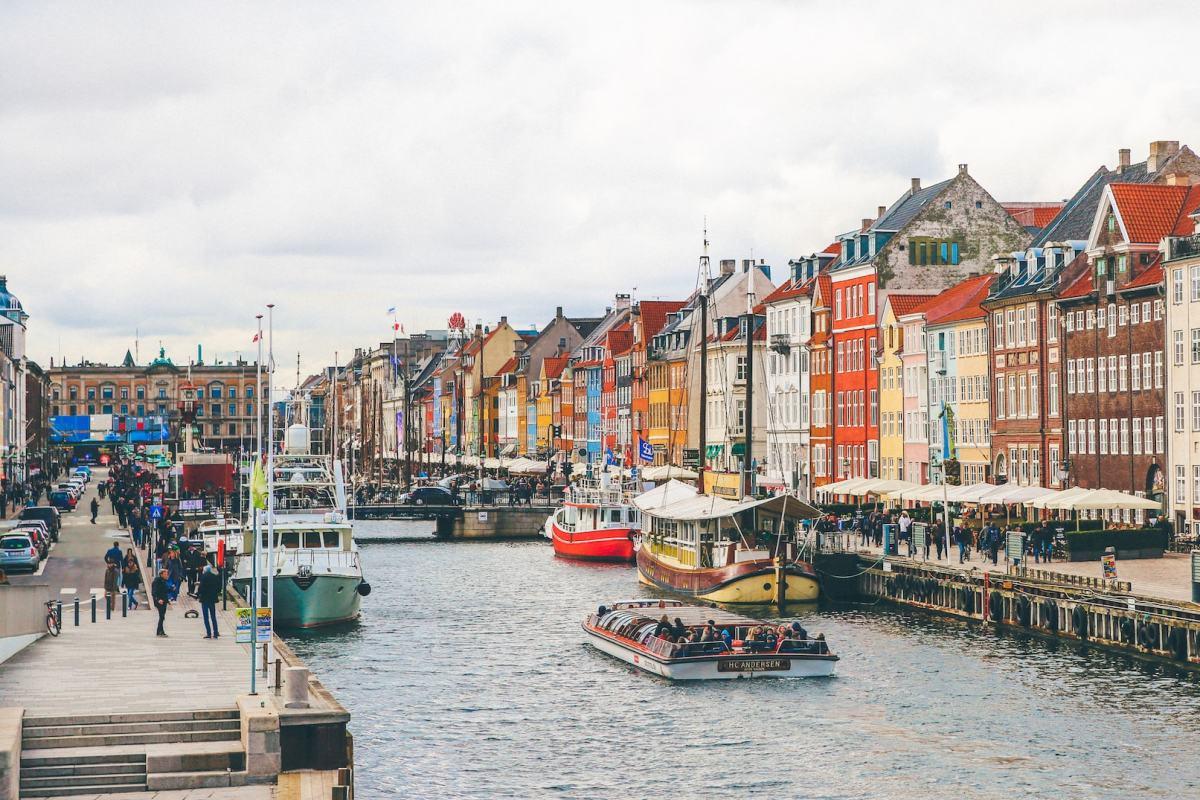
x,y
1151,276
554,365
620,340
654,315
905,303
1033,215
1151,211
1080,287
834,249
959,302
509,366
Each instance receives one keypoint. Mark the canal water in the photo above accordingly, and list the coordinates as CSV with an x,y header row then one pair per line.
x,y
468,677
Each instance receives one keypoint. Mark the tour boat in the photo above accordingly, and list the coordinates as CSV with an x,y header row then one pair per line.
x,y
626,630
221,529
594,524
724,551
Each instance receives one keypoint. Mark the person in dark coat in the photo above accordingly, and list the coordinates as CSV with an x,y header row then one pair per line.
x,y
193,562
159,594
95,506
209,592
131,578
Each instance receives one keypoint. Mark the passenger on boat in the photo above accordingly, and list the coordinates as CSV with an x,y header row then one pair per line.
x,y
710,632
679,629
798,631
663,628
727,637
600,612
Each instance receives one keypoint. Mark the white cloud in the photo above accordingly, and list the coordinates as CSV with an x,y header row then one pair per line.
x,y
173,168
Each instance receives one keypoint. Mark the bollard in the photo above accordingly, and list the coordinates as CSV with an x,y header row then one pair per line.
x,y
59,613
278,668
76,612
93,608
124,605
295,691
108,604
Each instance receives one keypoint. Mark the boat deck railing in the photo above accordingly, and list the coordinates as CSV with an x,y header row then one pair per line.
x,y
315,559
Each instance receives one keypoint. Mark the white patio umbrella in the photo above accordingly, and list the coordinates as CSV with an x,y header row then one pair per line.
x,y
1061,500
1110,499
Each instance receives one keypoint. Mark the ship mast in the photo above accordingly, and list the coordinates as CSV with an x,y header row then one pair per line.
x,y
703,399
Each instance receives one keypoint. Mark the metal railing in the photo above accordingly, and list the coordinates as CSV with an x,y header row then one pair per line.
x,y
1183,247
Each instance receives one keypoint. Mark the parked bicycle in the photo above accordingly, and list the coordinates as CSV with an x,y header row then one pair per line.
x,y
53,622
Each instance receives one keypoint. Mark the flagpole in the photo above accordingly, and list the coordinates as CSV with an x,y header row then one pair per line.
x,y
257,546
270,475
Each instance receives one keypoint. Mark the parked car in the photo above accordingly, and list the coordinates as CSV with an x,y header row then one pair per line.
x,y
47,514
70,488
36,530
63,499
84,473
17,551
428,496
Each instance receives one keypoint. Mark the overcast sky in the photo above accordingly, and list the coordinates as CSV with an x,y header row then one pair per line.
x,y
170,170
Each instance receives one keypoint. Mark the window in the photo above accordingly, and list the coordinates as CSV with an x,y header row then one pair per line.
x,y
1112,322
1180,481
1103,381
1158,368
1112,372
1010,332
1135,382
1051,322
1124,373
1195,411
1134,317
1103,437
1091,319
1033,394
1031,321
1070,318
998,325
1177,286
249,391
1160,435
1179,412
1091,424
740,369
1071,437
1158,310
1178,348
1123,317
1000,398
1071,376
837,304
1052,394
1125,437
1195,276
1021,326
1012,396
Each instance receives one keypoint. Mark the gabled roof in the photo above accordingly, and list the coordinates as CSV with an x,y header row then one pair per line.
x,y
620,340
1151,276
959,302
1033,215
508,366
903,304
910,204
1149,212
654,315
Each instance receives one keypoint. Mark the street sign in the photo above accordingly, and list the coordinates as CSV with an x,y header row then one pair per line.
x,y
156,512
691,458
919,531
263,629
1014,548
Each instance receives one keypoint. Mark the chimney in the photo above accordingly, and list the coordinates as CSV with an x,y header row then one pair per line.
x,y
1178,179
1160,151
866,223
880,212
558,312
503,321
1122,160
199,355
727,266
916,185
747,264
962,169
622,301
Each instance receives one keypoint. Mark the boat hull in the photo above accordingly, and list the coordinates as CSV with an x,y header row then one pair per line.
x,y
720,668
610,544
747,583
327,600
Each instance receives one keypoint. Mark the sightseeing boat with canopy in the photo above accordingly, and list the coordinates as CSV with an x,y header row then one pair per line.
x,y
685,642
722,550
595,522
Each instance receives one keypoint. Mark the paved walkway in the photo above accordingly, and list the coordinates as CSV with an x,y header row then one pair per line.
x,y
238,793
80,671
1167,578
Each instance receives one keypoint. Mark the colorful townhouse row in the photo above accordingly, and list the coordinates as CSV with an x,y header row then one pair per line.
x,y
948,334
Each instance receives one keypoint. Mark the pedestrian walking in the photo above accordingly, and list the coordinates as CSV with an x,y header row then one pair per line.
x,y
209,592
993,543
159,591
175,572
95,506
131,577
905,535
113,555
111,587
193,563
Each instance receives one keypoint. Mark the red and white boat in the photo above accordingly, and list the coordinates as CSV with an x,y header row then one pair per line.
x,y
594,524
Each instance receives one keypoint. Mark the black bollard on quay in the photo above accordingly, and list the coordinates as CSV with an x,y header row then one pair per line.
x,y
76,612
124,605
59,613
93,608
108,603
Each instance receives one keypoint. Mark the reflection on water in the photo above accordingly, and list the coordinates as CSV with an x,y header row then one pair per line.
x,y
468,677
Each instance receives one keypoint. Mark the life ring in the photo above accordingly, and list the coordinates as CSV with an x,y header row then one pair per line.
x,y
1050,615
1079,622
1148,636
1127,630
996,605
1177,643
1024,611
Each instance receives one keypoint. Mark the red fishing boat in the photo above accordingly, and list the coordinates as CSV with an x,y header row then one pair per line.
x,y
594,525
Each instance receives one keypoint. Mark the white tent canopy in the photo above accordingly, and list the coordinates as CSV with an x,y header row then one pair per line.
x,y
668,472
707,506
526,466
1060,500
843,487
885,488
1104,499
670,492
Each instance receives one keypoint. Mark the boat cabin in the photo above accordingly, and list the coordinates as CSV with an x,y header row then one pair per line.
x,y
705,531
582,517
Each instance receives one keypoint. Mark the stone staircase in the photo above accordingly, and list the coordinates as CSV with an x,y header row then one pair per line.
x,y
134,752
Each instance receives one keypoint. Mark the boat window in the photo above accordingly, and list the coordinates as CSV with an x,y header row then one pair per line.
x,y
312,539
332,539
290,540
